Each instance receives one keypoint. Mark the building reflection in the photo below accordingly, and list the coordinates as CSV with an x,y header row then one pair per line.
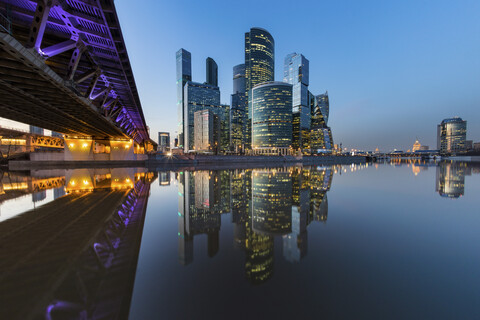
x,y
203,197
450,179
264,203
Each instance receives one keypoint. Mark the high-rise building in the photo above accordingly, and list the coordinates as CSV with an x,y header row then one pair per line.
x,y
184,74
164,142
321,140
296,72
451,135
259,67
272,118
324,106
212,72
238,109
206,131
198,97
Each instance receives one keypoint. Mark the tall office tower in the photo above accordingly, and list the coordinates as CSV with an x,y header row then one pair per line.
x,y
296,72
238,109
206,131
197,97
164,142
451,135
321,140
212,72
272,118
323,104
184,74
259,68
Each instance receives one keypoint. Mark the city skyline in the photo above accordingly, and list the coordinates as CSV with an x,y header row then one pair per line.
x,y
411,75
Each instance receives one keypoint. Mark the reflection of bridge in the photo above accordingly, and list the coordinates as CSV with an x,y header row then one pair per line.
x,y
64,67
75,256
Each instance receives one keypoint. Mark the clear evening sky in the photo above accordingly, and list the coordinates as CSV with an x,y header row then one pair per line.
x,y
393,69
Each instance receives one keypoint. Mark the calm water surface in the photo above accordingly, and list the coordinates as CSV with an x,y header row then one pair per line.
x,y
384,241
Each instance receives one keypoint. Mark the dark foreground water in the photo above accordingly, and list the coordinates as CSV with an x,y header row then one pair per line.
x,y
383,241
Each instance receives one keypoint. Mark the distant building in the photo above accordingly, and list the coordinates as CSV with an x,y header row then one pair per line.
x,y
476,146
451,135
207,131
36,130
272,118
212,72
163,142
184,74
417,146
468,145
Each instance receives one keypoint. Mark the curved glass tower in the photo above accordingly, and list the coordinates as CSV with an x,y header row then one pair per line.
x,y
272,118
452,134
259,67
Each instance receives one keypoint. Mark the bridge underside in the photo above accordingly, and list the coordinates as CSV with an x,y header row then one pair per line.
x,y
64,67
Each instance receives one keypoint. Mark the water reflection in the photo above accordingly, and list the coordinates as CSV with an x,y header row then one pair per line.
x,y
264,204
73,257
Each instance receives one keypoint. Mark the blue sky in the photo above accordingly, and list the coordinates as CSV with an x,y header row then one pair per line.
x,y
393,69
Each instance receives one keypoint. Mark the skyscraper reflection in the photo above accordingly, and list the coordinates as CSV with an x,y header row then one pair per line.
x,y
450,179
264,203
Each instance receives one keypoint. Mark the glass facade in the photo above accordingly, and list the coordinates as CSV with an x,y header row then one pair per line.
x,y
272,116
198,97
296,72
163,141
212,72
206,131
184,74
259,68
323,104
238,109
452,135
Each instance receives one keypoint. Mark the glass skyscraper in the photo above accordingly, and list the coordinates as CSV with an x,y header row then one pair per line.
x,y
296,72
238,108
259,67
184,74
272,118
451,135
321,140
212,72
197,97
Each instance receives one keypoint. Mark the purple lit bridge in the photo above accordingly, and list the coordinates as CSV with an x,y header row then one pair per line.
x,y
64,67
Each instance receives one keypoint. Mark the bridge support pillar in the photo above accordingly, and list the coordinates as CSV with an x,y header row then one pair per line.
x,y
79,149
121,150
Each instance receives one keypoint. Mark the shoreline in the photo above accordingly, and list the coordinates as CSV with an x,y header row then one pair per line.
x,y
163,162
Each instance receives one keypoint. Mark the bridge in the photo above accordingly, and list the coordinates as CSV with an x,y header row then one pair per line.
x,y
64,67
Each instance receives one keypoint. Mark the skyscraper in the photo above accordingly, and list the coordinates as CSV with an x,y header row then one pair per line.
x,y
207,131
238,108
198,97
272,118
259,67
212,72
451,135
164,141
184,74
321,140
296,72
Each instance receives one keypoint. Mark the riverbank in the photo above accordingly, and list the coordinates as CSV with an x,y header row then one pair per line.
x,y
172,162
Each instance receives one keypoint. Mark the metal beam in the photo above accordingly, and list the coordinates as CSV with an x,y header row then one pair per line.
x,y
58,48
39,23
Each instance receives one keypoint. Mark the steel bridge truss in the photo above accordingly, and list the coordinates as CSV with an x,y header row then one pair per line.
x,y
69,52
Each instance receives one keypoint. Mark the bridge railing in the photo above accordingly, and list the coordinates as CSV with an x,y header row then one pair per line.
x,y
5,24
